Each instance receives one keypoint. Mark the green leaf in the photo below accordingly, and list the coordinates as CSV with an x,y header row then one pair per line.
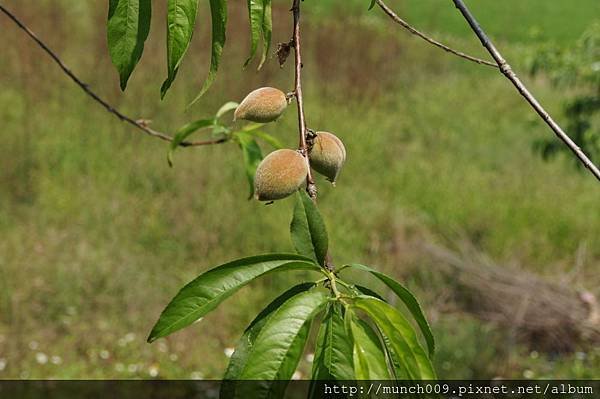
x,y
367,291
372,4
280,344
367,353
252,157
127,29
211,288
267,29
184,132
267,138
240,356
218,12
255,13
402,338
333,352
409,300
251,126
181,19
398,368
308,230
225,108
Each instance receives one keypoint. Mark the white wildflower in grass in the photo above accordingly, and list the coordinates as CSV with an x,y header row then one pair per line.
x,y
56,360
33,345
228,351
528,374
196,375
119,367
173,357
41,358
162,347
104,354
153,371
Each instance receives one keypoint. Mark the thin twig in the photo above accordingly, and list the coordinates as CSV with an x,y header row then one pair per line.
x,y
140,124
507,71
311,188
428,39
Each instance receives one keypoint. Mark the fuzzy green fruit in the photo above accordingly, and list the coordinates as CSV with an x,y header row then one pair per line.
x,y
327,155
280,174
262,105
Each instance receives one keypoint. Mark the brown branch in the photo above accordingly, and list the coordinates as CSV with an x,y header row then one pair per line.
x,y
140,124
428,39
311,187
303,131
507,71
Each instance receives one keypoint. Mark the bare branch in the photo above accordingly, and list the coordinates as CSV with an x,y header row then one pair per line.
x,y
311,188
140,124
430,40
507,71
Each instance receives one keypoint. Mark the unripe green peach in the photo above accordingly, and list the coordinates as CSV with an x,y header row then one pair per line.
x,y
327,155
280,174
262,105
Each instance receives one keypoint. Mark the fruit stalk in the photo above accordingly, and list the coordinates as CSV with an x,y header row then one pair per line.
x,y
311,188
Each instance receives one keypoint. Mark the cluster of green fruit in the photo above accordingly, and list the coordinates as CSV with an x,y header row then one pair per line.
x,y
283,172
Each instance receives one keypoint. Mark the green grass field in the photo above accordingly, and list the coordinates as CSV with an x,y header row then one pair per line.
x,y
98,233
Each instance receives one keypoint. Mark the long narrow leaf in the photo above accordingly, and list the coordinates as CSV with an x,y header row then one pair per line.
x,y
240,356
128,26
367,291
278,341
399,370
255,14
252,155
207,291
181,20
225,108
308,230
368,356
409,300
184,132
267,29
267,138
333,352
218,11
402,337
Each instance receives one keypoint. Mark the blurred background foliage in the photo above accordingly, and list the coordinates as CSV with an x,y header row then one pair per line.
x,y
576,69
98,232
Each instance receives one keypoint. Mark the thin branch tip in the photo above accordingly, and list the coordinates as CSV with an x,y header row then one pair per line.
x,y
387,10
